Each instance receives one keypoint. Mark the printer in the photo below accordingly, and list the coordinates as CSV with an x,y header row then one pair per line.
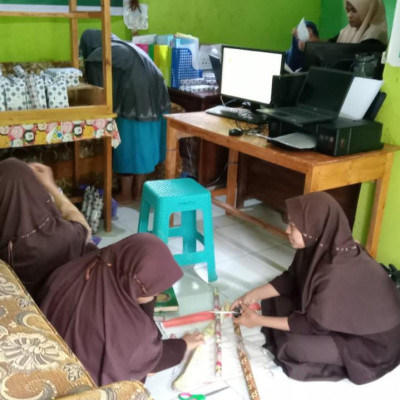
x,y
339,137
345,136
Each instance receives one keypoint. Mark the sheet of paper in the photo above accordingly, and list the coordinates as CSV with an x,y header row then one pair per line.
x,y
393,57
302,31
361,94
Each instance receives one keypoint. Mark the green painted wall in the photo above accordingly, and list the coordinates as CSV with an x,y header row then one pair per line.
x,y
389,248
332,19
254,23
42,39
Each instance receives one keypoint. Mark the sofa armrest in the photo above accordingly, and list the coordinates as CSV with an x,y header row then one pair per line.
x,y
123,390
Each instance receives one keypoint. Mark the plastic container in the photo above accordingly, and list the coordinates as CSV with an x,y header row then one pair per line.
x,y
181,67
165,39
162,58
144,39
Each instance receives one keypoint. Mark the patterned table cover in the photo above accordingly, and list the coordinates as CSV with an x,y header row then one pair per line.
x,y
44,133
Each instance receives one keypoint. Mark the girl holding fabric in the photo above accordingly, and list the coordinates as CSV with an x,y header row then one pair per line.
x,y
102,304
335,313
140,98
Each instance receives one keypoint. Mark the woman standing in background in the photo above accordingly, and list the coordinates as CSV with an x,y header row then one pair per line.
x,y
140,98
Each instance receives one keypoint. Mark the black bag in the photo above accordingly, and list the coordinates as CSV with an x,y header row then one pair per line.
x,y
394,274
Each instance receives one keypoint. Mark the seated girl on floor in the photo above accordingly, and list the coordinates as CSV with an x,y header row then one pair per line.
x,y
335,313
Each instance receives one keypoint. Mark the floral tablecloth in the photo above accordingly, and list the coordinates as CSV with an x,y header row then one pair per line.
x,y
58,132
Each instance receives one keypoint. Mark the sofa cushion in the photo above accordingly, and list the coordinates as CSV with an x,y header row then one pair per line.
x,y
35,362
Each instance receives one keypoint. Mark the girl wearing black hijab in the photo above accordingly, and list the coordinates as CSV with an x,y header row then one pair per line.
x,y
335,313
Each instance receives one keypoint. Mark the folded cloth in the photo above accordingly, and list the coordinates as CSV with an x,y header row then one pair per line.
x,y
56,89
2,93
36,91
19,71
71,75
15,93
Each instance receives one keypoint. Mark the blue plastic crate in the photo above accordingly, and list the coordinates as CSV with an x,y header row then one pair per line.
x,y
182,67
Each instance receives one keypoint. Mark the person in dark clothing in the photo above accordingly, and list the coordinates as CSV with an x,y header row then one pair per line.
x,y
335,313
294,57
100,301
40,228
102,304
140,98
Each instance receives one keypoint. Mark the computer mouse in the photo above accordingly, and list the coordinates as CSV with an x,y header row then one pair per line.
x,y
235,132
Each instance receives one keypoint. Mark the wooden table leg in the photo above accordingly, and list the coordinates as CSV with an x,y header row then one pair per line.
x,y
76,163
172,152
381,189
107,182
310,182
231,182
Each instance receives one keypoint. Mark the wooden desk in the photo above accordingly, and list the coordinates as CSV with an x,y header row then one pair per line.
x,y
321,172
204,160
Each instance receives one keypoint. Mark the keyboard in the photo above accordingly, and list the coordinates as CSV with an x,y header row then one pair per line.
x,y
240,114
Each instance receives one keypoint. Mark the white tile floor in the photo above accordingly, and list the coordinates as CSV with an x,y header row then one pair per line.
x,y
246,256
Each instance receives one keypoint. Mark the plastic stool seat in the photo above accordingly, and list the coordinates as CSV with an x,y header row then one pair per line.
x,y
186,196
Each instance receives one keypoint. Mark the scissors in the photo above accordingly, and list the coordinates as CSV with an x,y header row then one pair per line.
x,y
189,396
236,312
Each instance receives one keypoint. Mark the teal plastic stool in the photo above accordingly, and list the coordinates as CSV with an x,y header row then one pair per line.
x,y
184,196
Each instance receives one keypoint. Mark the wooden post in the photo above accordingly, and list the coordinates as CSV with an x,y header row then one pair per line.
x,y
107,61
73,30
107,182
381,189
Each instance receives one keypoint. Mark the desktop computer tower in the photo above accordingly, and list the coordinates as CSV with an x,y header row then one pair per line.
x,y
344,136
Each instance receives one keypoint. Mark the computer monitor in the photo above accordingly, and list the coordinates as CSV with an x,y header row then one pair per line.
x,y
340,55
247,74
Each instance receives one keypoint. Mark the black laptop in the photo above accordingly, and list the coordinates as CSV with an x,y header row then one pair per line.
x,y
320,99
216,66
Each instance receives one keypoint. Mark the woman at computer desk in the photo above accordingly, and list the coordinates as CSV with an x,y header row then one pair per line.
x,y
367,23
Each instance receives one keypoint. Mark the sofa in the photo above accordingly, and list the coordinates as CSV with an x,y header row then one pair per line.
x,y
35,362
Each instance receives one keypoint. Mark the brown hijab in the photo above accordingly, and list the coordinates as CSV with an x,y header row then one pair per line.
x,y
341,287
34,239
92,302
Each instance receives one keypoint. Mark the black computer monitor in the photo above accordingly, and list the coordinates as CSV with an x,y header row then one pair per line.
x,y
340,55
247,74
